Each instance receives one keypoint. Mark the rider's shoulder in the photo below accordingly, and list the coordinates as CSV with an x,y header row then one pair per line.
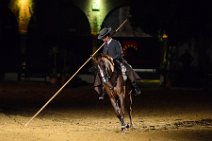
x,y
115,41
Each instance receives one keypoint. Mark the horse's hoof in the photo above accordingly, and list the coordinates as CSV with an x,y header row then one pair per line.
x,y
123,128
133,126
127,126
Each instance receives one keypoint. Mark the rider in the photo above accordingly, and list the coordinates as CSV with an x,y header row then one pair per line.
x,y
113,48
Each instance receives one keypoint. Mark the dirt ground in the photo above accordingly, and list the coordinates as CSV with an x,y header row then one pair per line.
x,y
76,114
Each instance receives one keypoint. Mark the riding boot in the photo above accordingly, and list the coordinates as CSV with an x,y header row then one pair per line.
x,y
137,90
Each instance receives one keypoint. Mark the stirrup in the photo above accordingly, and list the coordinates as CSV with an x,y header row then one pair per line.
x,y
102,96
137,91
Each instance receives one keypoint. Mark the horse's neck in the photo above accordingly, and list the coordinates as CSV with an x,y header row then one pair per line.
x,y
115,75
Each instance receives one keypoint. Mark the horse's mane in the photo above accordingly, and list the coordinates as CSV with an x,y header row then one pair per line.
x,y
107,60
108,57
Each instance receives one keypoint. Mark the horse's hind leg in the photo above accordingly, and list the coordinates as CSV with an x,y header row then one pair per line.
x,y
118,112
129,108
122,105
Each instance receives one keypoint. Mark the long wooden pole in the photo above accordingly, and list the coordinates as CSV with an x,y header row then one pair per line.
x,y
71,77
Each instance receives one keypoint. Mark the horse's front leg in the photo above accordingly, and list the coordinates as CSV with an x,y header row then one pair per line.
x,y
118,112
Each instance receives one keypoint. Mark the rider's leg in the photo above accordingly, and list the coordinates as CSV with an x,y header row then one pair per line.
x,y
137,90
133,76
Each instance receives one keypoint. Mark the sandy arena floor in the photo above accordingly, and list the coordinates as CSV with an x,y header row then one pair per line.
x,y
76,114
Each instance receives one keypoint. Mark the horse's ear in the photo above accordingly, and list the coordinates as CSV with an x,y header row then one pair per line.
x,y
101,54
94,60
104,55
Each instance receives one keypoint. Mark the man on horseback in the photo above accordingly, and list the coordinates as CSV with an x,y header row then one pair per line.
x,y
113,48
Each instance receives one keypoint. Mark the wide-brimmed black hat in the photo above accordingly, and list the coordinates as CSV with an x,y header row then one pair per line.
x,y
103,32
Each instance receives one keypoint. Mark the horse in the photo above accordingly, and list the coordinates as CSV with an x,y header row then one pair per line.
x,y
120,94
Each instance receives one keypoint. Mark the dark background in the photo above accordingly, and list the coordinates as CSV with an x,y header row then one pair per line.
x,y
58,35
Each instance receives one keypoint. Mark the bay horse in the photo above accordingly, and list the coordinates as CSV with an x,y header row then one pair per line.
x,y
120,95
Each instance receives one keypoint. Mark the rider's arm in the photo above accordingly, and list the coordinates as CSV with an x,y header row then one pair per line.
x,y
118,49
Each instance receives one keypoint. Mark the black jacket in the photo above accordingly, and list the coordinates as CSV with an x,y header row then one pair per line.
x,y
114,49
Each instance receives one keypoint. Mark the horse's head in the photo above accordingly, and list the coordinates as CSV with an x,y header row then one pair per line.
x,y
105,63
